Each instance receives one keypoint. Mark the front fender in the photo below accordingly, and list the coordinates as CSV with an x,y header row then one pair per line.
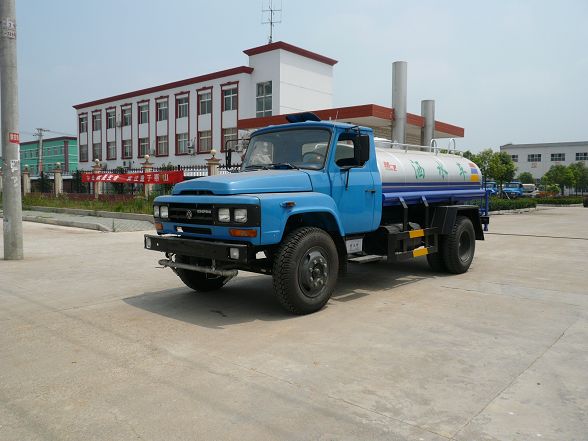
x,y
275,216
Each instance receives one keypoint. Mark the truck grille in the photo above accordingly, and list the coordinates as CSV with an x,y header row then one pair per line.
x,y
202,214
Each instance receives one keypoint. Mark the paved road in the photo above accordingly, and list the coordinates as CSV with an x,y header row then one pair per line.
x,y
98,344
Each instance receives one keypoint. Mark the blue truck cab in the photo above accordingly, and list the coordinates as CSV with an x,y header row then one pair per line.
x,y
513,189
307,201
491,187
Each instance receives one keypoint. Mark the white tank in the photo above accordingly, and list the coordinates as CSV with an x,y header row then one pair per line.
x,y
408,166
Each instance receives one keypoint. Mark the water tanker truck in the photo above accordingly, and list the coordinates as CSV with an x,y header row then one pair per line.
x,y
311,197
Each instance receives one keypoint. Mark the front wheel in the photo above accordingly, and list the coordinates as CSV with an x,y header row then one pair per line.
x,y
460,245
199,281
305,270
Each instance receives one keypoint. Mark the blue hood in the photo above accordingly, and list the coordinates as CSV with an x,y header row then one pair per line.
x,y
263,181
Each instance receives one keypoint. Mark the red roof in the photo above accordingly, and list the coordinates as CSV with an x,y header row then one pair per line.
x,y
290,48
344,113
186,82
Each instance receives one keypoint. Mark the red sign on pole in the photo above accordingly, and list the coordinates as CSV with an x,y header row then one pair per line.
x,y
160,177
13,137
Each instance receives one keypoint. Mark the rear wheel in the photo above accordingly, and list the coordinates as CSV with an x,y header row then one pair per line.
x,y
305,270
197,280
459,247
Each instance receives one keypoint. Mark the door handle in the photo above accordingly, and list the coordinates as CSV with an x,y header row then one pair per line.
x,y
370,190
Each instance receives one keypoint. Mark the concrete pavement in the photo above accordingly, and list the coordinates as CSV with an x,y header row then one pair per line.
x,y
98,344
106,222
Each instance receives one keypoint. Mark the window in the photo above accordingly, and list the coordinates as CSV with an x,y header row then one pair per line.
x,y
161,110
126,116
143,147
534,157
304,148
263,99
182,144
111,119
230,99
83,123
96,121
558,157
182,107
205,103
97,151
229,139
515,158
204,141
83,153
143,113
582,156
127,148
111,150
162,147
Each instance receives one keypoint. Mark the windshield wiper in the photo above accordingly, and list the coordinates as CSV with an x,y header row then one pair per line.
x,y
257,167
283,164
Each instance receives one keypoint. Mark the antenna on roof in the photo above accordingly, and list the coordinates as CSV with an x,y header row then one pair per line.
x,y
271,13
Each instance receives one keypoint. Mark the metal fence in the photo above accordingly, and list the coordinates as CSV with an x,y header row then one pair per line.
x,y
133,189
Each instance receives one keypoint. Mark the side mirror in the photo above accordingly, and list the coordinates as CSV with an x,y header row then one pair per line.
x,y
362,150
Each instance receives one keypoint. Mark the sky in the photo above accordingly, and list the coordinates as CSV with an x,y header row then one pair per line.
x,y
506,71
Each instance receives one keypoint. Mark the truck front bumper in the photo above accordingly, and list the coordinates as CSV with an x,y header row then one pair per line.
x,y
221,251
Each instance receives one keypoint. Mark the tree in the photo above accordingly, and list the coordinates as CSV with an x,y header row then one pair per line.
x,y
502,168
526,178
469,155
580,174
559,175
482,160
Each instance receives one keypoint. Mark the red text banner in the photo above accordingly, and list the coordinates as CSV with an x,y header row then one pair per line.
x,y
160,177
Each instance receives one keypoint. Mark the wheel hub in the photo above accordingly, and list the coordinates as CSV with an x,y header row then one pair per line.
x,y
313,273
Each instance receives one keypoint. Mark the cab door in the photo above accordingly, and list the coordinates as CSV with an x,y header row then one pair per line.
x,y
352,185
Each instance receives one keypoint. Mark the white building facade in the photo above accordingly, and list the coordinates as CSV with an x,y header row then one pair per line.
x,y
181,122
537,159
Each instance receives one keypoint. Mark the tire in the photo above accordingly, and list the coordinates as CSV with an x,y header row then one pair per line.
x,y
305,270
459,247
198,281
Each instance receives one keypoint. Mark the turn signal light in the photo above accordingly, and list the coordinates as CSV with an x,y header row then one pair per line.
x,y
235,232
158,226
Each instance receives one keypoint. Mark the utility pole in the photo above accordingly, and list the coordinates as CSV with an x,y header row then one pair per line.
x,y
10,136
40,153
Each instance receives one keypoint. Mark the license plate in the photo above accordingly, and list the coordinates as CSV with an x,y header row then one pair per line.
x,y
354,245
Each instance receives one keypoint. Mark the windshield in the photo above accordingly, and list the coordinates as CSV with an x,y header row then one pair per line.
x,y
513,185
295,148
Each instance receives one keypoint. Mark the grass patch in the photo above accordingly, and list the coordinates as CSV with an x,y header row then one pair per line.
x,y
116,203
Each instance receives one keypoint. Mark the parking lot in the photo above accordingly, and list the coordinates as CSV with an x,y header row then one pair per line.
x,y
97,343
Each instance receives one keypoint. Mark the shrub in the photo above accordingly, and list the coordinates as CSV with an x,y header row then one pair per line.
x,y
497,203
564,200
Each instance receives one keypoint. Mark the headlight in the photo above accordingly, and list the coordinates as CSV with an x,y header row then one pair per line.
x,y
156,211
240,215
224,215
163,211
